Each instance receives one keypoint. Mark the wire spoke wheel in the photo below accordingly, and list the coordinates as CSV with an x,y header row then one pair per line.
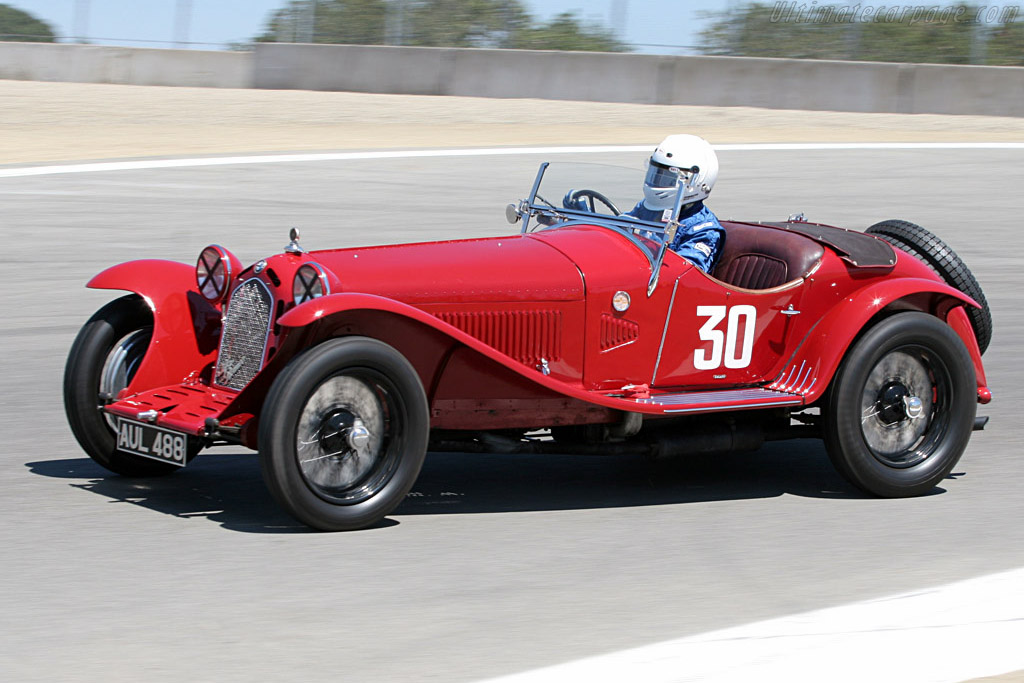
x,y
349,436
901,408
343,433
904,406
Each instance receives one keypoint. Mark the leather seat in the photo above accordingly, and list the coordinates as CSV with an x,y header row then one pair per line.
x,y
755,257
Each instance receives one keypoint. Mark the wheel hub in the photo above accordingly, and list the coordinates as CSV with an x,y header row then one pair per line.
x,y
891,406
897,401
341,437
343,434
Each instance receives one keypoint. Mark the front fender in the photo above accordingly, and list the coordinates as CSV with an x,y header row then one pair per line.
x,y
810,369
186,327
155,280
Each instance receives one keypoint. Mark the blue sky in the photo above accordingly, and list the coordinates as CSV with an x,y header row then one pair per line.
x,y
218,22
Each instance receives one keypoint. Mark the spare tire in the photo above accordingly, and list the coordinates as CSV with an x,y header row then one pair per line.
x,y
928,248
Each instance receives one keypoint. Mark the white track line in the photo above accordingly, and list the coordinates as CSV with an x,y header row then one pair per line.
x,y
957,632
147,164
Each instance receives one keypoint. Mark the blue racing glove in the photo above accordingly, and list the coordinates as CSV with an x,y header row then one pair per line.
x,y
577,204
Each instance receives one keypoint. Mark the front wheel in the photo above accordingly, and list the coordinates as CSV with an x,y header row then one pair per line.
x,y
901,408
102,361
343,433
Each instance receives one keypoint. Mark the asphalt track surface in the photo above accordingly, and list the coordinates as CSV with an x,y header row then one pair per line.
x,y
496,564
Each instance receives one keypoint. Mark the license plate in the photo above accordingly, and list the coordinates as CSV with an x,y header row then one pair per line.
x,y
151,441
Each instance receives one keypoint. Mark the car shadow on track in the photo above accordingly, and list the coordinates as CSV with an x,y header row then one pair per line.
x,y
227,489
450,483
223,488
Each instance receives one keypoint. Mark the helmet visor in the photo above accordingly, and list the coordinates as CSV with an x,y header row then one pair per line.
x,y
659,175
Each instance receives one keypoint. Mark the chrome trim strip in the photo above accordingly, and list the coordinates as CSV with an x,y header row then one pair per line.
x,y
229,274
664,332
323,276
770,404
785,383
618,346
802,381
799,374
713,396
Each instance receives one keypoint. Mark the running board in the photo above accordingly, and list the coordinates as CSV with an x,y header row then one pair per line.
x,y
726,399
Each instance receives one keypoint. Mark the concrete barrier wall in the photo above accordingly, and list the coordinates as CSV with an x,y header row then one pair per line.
x,y
600,77
124,65
645,79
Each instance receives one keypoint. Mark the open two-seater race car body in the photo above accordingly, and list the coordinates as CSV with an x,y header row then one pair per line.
x,y
581,334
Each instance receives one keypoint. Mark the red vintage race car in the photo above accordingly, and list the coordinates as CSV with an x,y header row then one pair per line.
x,y
580,334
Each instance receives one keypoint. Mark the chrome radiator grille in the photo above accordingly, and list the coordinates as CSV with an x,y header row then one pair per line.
x,y
243,339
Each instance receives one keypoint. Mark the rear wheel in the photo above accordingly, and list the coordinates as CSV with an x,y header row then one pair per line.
x,y
925,246
902,406
343,433
102,361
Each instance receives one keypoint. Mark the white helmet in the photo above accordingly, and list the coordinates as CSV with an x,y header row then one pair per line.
x,y
689,155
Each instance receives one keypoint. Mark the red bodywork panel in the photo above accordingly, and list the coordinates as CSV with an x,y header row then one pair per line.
x,y
460,271
521,332
186,327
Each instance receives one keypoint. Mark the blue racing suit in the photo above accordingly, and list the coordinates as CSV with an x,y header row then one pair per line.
x,y
699,236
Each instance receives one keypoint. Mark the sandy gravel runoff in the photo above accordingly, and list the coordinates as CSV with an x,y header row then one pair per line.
x,y
77,121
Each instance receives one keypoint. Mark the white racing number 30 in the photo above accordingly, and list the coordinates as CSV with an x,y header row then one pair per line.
x,y
736,343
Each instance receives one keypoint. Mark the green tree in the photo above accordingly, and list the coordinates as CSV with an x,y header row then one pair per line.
x,y
17,25
1006,45
567,32
951,35
463,23
756,30
356,22
433,23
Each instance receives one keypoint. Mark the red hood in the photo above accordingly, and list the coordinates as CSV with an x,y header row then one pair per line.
x,y
515,268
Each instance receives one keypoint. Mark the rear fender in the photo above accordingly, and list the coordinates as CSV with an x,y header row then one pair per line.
x,y
810,369
186,327
961,324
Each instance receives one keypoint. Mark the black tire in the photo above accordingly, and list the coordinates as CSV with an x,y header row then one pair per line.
x,y
103,359
871,434
343,433
926,247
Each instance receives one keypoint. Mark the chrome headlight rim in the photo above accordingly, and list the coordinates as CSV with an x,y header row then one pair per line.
x,y
214,272
310,282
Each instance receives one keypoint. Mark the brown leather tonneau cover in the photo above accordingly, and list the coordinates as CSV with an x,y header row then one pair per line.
x,y
856,248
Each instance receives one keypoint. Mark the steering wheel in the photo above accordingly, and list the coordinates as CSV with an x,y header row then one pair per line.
x,y
593,196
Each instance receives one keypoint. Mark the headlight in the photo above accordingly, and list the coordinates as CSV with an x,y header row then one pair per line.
x,y
214,270
310,283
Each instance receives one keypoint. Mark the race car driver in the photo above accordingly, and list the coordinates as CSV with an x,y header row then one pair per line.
x,y
700,236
